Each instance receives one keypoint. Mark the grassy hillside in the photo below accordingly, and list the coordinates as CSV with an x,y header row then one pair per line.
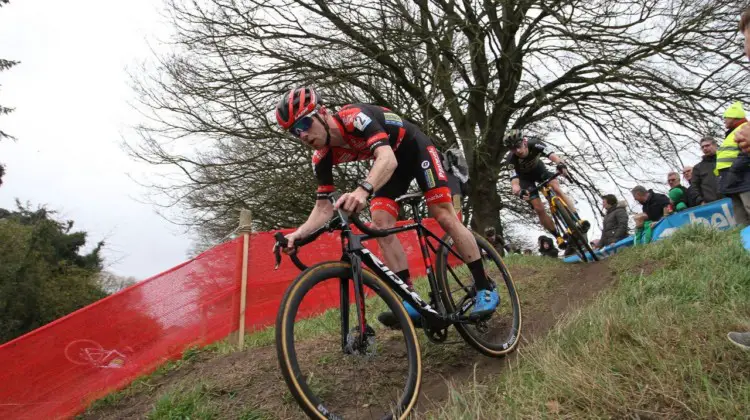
x,y
653,347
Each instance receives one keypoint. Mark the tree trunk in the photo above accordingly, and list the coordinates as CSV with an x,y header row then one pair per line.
x,y
483,195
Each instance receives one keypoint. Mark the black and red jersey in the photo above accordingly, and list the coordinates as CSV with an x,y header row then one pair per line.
x,y
364,128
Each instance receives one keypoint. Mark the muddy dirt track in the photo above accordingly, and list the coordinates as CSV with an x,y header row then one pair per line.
x,y
248,384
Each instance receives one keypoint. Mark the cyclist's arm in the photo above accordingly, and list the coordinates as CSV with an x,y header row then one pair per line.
x,y
554,158
515,184
381,171
321,213
323,210
365,125
383,168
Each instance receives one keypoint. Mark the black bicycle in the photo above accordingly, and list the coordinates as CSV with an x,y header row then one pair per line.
x,y
566,223
341,362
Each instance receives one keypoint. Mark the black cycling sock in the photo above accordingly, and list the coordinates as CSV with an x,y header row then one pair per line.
x,y
480,277
404,275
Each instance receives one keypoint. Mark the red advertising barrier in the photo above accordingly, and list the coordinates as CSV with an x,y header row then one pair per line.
x,y
60,368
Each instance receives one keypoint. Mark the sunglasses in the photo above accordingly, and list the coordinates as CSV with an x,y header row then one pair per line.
x,y
302,124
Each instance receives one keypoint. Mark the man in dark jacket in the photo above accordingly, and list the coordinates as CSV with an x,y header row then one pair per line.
x,y
692,192
615,225
703,178
655,206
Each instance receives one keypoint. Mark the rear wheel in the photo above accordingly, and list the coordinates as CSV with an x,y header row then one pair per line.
x,y
331,368
500,334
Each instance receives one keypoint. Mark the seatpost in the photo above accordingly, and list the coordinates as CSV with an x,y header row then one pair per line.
x,y
415,212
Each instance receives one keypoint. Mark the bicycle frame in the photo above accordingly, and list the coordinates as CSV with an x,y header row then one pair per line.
x,y
356,253
554,201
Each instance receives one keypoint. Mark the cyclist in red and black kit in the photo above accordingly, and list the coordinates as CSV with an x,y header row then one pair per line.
x,y
401,153
524,162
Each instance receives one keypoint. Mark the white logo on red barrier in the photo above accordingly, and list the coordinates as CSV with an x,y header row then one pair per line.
x,y
89,352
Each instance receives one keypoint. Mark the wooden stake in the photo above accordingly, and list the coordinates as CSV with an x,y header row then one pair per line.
x,y
245,229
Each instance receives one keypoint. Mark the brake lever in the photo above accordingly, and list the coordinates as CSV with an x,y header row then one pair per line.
x,y
281,242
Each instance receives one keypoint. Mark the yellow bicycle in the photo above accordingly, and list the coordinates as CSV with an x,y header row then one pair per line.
x,y
566,221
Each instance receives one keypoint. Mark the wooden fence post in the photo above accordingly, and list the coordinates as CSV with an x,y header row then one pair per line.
x,y
245,229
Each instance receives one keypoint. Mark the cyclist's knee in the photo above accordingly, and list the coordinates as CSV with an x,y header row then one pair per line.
x,y
538,207
443,213
383,219
557,189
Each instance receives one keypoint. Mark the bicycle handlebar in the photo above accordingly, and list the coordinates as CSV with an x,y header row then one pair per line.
x,y
337,221
532,190
375,233
544,183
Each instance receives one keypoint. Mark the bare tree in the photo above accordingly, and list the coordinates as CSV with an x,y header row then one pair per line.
x,y
112,283
619,84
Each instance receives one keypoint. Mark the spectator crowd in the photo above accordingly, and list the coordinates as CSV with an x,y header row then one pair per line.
x,y
723,171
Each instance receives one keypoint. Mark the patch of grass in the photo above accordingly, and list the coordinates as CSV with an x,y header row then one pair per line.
x,y
190,353
184,404
254,414
655,346
107,401
145,383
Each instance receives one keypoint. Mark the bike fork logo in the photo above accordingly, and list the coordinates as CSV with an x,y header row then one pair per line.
x,y
405,287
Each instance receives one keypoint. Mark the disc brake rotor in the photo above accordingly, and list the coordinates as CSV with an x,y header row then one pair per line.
x,y
355,345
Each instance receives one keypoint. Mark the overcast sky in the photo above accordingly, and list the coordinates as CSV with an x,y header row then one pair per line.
x,y
71,96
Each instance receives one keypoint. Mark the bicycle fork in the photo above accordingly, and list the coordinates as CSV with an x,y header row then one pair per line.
x,y
561,229
359,300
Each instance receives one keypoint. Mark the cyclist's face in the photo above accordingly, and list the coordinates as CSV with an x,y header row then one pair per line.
x,y
521,151
314,133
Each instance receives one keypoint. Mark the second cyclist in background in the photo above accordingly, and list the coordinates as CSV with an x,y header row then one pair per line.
x,y
524,162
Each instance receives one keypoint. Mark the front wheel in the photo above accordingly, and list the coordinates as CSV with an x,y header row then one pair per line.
x,y
332,368
500,334
577,237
